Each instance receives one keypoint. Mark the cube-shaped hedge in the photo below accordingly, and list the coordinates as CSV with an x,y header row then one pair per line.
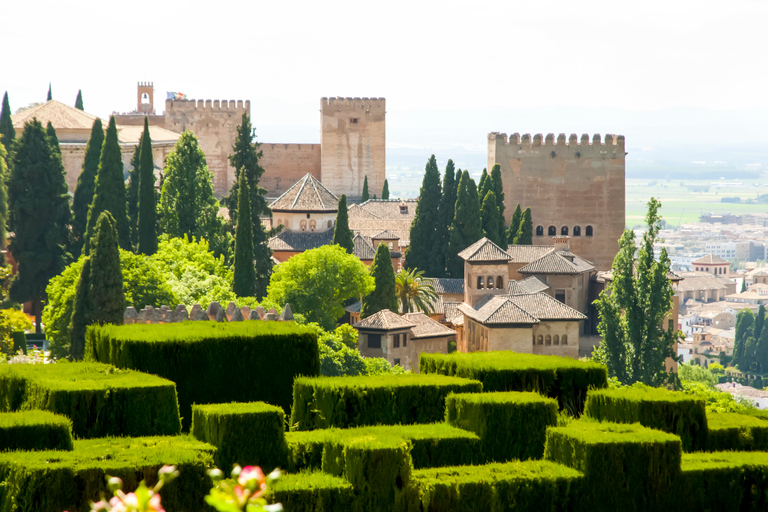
x,y
344,402
243,433
535,486
626,466
563,378
34,430
213,362
313,492
670,411
510,425
52,481
99,399
737,432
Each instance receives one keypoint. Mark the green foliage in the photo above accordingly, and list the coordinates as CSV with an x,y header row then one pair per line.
x,y
716,401
53,140
241,361
312,492
50,94
17,320
82,314
498,190
490,218
641,462
443,252
384,296
736,432
243,433
695,373
745,326
106,279
467,227
79,100
366,196
342,235
657,408
132,193
339,355
484,185
99,399
414,292
34,430
511,425
7,132
385,190
3,195
425,228
146,208
373,400
244,283
562,378
524,234
317,283
51,481
514,225
86,184
633,308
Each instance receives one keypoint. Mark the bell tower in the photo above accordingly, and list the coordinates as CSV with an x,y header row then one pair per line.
x,y
145,103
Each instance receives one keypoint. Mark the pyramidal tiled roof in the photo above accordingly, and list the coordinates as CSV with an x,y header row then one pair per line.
x,y
386,235
307,194
560,262
363,249
426,327
498,310
384,320
60,115
484,250
545,307
709,258
528,253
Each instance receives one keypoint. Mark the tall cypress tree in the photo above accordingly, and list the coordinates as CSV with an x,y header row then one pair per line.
x,y
147,207
106,281
132,193
79,100
745,324
385,190
109,191
490,218
759,321
39,215
82,313
384,296
7,133
525,233
444,219
366,195
244,284
514,225
466,228
53,139
86,183
424,229
762,351
3,196
498,189
342,235
50,94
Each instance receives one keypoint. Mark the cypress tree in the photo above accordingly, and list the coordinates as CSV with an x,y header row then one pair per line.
x,y
50,95
106,279
53,140
86,183
424,229
342,235
525,233
147,206
7,133
132,193
384,296
514,225
490,218
39,215
466,228
365,190
483,186
743,285
498,189
3,197
385,190
745,324
109,190
244,284
82,313
762,351
759,321
445,218
79,100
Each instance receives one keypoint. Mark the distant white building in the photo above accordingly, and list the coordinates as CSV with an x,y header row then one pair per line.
x,y
756,396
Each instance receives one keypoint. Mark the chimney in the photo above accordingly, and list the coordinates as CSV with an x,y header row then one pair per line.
x,y
562,243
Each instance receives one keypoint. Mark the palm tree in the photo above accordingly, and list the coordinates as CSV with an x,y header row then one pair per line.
x,y
414,292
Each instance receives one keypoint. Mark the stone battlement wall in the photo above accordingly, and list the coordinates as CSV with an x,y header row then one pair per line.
x,y
285,164
614,142
214,312
221,105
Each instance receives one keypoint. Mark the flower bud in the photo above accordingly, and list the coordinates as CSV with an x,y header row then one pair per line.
x,y
216,475
114,484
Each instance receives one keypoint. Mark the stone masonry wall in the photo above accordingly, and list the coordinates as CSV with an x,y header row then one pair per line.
x,y
285,164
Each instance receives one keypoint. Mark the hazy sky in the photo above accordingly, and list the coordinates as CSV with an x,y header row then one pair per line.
x,y
284,56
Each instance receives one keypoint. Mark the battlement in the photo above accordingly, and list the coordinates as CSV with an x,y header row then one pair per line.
x,y
214,105
612,141
368,105
146,84
289,147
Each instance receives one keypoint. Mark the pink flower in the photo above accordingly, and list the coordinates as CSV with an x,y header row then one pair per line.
x,y
251,477
154,504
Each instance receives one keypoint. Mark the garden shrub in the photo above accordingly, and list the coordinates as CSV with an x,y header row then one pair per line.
x,y
510,425
34,430
562,378
99,399
312,492
52,481
213,362
737,432
673,412
248,434
538,486
626,467
344,402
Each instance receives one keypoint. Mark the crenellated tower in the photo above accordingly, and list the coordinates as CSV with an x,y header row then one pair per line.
x,y
145,101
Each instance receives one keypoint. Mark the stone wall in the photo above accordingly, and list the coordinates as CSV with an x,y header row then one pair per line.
x,y
214,312
547,333
285,164
566,183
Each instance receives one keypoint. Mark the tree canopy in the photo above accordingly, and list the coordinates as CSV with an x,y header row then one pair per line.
x,y
146,221
366,195
514,225
524,234
467,227
414,292
498,190
79,100
424,229
7,132
106,280
3,196
385,190
384,296
86,183
490,218
244,284
442,251
342,235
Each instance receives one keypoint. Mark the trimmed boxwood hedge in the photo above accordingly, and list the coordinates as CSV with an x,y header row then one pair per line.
x,y
626,467
510,425
34,430
52,481
243,433
670,411
313,492
345,402
99,399
563,378
536,486
213,362
738,432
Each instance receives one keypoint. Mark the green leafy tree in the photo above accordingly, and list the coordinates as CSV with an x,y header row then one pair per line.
x,y
759,321
484,185
50,93
384,296
467,227
443,250
106,279
490,218
514,225
525,233
7,132
385,190
109,190
79,100
761,357
365,190
745,328
82,315
53,139
132,193
244,284
147,205
633,307
39,216
86,183
3,198
317,283
695,373
414,292
498,189
424,229
342,235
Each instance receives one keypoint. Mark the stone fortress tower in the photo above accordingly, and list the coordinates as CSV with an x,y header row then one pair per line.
x,y
145,101
573,187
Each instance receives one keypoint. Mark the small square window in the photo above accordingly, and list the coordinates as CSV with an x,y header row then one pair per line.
x,y
353,120
396,341
397,362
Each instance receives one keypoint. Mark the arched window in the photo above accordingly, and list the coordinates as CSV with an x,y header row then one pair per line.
x,y
539,230
588,231
576,230
479,282
279,221
556,339
391,246
540,339
303,225
564,230
312,225
330,223
145,98
548,340
500,283
552,231
490,283
565,339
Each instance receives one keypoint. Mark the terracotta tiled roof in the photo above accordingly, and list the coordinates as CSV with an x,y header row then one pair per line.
x,y
561,262
528,285
377,215
484,250
308,194
709,258
700,281
384,320
451,311
498,310
386,235
426,327
63,117
300,241
132,134
444,285
606,276
528,253
390,208
545,307
363,249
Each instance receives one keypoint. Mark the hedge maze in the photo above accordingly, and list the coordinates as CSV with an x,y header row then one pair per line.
x,y
470,432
